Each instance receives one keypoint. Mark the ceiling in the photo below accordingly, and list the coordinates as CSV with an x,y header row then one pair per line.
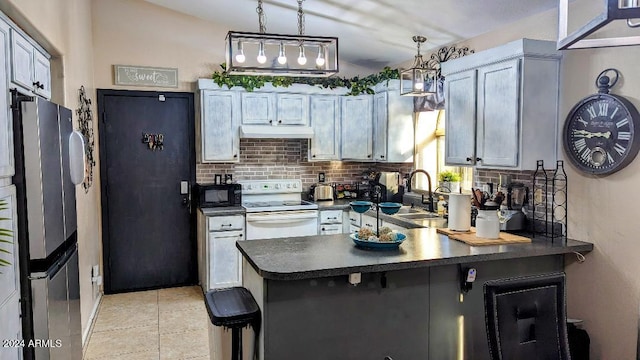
x,y
372,33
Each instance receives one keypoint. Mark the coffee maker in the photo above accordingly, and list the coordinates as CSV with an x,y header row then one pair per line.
x,y
511,215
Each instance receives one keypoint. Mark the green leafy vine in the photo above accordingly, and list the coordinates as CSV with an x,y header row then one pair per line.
x,y
356,85
5,236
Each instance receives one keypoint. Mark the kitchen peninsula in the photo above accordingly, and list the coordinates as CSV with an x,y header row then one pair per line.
x,y
407,303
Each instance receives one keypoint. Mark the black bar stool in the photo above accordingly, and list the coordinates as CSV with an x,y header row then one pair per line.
x,y
234,308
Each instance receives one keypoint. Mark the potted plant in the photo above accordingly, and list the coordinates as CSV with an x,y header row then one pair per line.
x,y
449,180
5,236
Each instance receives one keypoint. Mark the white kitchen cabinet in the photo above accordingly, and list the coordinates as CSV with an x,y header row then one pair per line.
x,y
30,69
330,222
11,328
370,222
502,106
393,124
219,120
7,168
357,127
325,121
262,108
220,262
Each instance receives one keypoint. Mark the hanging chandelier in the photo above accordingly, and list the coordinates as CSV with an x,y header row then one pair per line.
x,y
262,53
420,79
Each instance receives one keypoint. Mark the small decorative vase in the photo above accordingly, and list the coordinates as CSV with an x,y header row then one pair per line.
x,y
488,224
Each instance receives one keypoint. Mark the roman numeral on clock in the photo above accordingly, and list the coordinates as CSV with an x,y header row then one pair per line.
x,y
580,144
622,123
603,109
624,135
592,112
614,113
581,120
586,155
619,148
610,158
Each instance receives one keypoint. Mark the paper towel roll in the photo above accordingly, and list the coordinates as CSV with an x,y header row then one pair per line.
x,y
459,212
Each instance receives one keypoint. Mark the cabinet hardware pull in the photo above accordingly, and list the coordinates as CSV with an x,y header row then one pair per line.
x,y
369,155
279,121
313,156
322,229
381,156
235,155
223,225
478,159
469,159
270,121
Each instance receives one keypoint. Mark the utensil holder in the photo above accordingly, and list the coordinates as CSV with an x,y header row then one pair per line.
x,y
488,224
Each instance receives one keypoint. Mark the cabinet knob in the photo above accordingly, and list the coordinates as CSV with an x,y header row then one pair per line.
x,y
469,159
313,156
270,121
279,121
322,229
478,159
369,156
235,155
381,156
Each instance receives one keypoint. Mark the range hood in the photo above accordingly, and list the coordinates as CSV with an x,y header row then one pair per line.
x,y
275,132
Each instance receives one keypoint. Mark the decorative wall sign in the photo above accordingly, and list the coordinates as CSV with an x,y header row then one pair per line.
x,y
85,125
145,76
153,141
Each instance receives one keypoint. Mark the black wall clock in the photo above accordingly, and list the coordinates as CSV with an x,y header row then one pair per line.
x,y
600,131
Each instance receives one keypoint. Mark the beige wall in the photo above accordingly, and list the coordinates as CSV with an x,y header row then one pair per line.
x,y
63,27
604,291
134,32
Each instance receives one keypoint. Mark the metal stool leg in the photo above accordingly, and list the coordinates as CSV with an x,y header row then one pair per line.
x,y
236,343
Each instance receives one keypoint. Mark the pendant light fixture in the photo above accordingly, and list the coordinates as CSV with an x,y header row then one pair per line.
x,y
266,54
419,80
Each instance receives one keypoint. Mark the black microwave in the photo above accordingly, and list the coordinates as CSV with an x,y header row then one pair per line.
x,y
221,195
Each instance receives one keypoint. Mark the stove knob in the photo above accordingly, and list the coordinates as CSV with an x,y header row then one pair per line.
x,y
289,186
277,186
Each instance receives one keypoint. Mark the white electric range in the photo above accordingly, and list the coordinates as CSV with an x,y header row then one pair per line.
x,y
275,209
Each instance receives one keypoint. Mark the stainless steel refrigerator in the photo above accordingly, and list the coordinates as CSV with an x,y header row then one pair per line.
x,y
47,226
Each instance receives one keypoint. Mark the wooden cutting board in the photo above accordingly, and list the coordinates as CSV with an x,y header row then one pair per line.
x,y
470,237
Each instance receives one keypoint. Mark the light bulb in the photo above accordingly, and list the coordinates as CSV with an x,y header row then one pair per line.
x,y
418,85
282,57
320,59
301,58
262,58
240,55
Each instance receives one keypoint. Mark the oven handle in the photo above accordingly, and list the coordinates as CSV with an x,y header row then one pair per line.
x,y
281,219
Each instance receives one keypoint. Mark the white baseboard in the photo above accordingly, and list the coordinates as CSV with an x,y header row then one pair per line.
x,y
92,320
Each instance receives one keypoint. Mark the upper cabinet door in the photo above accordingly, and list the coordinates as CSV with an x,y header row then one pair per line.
x,y
357,127
380,129
257,108
498,114
292,109
6,124
325,121
21,61
460,123
42,75
219,126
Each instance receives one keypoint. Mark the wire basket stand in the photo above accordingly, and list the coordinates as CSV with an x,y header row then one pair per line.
x,y
550,202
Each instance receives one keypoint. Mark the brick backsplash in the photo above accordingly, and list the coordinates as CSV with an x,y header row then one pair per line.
x,y
262,159
482,177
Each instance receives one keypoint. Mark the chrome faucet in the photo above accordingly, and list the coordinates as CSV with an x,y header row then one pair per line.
x,y
431,207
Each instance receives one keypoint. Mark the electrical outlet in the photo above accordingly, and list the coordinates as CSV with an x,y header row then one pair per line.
x,y
321,177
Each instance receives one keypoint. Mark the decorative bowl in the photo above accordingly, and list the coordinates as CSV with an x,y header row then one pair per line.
x,y
360,206
378,245
389,208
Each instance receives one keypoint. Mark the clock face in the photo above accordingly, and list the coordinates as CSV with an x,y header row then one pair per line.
x,y
599,134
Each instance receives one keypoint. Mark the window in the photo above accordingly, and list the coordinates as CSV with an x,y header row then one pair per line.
x,y
430,148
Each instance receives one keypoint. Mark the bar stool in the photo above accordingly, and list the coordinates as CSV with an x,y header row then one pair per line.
x,y
233,308
526,317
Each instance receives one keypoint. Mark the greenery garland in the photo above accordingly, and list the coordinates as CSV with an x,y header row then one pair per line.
x,y
357,85
5,236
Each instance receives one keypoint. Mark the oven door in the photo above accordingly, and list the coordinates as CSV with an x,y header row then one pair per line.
x,y
278,224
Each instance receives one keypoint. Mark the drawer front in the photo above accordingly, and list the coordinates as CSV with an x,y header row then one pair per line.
x,y
219,223
355,218
331,217
353,229
330,229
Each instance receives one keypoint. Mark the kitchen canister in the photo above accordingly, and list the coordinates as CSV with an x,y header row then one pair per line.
x,y
459,212
488,224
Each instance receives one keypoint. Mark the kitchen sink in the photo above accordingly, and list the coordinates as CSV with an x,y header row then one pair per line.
x,y
417,215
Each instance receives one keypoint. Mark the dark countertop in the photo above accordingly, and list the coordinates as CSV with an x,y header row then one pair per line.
x,y
309,257
223,211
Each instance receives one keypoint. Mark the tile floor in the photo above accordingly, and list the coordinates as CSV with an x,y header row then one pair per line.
x,y
151,325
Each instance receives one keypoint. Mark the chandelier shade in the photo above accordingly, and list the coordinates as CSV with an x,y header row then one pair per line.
x,y
420,79
281,55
